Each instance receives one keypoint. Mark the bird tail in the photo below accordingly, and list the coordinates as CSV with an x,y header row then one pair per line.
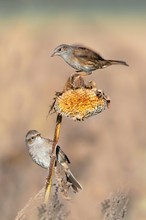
x,y
73,181
110,62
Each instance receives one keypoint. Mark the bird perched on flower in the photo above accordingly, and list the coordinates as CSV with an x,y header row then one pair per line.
x,y
40,149
83,59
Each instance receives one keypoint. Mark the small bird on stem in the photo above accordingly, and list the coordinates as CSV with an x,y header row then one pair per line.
x,y
40,149
83,59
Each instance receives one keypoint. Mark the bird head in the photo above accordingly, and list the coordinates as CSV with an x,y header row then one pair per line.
x,y
61,50
32,136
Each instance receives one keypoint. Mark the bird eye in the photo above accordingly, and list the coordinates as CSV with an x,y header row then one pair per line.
x,y
32,138
60,49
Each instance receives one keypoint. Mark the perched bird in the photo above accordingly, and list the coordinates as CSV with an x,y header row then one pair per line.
x,y
83,59
40,149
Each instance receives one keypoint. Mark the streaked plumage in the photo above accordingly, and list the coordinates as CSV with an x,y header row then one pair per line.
x,y
83,59
40,150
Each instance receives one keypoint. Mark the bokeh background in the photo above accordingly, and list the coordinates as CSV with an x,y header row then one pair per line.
x,y
107,151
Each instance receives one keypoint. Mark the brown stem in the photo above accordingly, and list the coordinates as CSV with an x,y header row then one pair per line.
x,y
74,81
52,162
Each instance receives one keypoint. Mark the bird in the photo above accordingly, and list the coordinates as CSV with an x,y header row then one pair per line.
x,y
83,59
40,149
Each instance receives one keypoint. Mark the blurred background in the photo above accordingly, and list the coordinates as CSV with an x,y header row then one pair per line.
x,y
107,151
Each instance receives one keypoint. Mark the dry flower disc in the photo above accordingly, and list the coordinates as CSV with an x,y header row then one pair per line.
x,y
80,103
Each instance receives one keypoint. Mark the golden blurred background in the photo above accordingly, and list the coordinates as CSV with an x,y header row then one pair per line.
x,y
107,151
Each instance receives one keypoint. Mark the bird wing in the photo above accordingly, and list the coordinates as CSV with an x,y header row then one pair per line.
x,y
61,156
64,176
86,54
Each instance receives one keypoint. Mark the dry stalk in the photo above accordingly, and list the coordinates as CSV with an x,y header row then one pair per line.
x,y
53,158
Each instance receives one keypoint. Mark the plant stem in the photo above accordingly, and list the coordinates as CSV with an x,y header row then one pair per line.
x,y
53,158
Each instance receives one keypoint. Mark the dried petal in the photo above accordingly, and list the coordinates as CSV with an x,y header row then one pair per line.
x,y
81,103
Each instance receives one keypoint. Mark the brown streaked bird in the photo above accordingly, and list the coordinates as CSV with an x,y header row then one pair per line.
x,y
83,59
40,150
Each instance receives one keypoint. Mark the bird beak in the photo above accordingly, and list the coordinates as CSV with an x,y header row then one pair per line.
x,y
53,54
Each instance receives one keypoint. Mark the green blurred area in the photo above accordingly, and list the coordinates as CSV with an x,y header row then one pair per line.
x,y
83,7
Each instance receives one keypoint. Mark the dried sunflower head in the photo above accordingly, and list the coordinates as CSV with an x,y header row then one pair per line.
x,y
80,103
